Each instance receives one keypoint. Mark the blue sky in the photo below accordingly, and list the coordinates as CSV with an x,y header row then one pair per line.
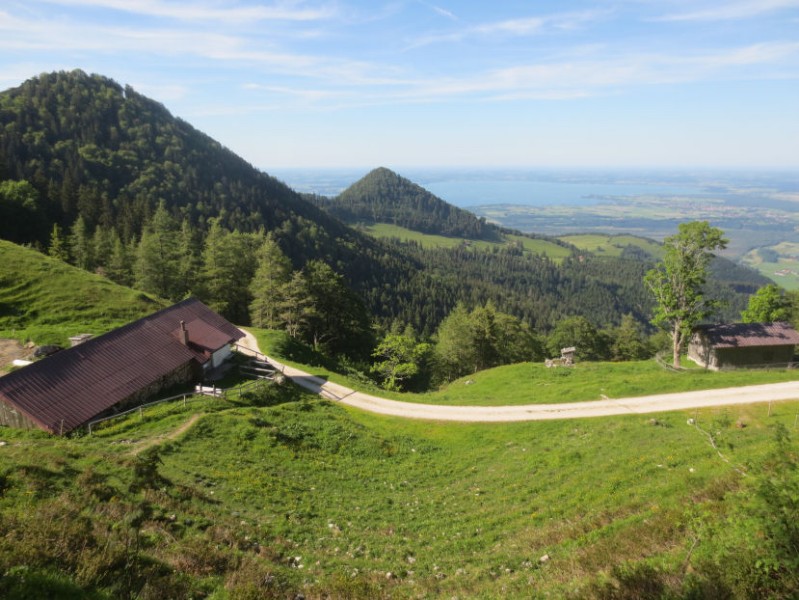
x,y
409,83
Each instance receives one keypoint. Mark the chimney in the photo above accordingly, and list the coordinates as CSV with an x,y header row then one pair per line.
x,y
184,334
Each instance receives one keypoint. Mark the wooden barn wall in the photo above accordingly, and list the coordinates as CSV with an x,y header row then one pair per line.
x,y
754,356
189,372
10,417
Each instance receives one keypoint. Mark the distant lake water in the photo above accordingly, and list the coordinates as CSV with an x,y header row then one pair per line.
x,y
474,187
533,192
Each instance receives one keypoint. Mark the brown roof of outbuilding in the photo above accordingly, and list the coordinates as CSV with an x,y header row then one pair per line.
x,y
67,389
740,335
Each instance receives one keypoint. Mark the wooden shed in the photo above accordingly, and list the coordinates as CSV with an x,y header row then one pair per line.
x,y
117,370
739,345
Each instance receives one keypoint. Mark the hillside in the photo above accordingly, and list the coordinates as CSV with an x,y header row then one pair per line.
x,y
279,494
100,151
383,196
46,300
102,156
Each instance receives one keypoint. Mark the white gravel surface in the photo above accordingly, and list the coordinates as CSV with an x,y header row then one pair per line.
x,y
772,392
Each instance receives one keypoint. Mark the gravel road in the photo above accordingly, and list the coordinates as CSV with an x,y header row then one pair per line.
x,y
773,392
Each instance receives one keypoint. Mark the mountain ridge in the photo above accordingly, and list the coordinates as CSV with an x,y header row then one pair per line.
x,y
94,149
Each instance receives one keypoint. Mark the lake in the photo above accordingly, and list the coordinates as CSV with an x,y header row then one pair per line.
x,y
536,187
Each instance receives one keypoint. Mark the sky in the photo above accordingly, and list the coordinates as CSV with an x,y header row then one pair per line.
x,y
418,83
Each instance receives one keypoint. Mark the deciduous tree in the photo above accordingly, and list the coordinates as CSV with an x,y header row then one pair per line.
x,y
767,305
677,282
400,357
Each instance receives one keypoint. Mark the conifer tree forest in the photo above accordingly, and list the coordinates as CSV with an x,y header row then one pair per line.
x,y
97,175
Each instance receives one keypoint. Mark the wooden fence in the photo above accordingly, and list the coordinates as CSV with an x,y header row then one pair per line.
x,y
235,391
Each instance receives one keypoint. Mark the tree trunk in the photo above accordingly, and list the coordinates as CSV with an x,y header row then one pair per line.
x,y
676,343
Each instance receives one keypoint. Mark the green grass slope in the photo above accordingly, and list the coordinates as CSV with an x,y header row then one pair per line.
x,y
541,246
612,245
46,300
534,383
255,501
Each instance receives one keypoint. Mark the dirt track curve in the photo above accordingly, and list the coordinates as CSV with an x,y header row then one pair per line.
x,y
772,392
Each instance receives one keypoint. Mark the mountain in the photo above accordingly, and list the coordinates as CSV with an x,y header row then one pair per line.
x,y
383,196
95,149
82,149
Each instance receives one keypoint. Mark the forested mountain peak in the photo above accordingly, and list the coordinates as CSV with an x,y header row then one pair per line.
x,y
99,151
383,196
103,151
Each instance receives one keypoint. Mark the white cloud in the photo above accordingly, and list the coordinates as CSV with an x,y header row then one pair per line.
x,y
203,11
726,11
520,27
439,10
607,74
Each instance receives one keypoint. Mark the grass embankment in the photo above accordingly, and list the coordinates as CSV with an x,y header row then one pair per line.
x,y
46,300
534,383
310,497
533,245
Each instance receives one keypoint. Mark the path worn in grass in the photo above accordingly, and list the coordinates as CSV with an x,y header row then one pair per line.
x,y
142,446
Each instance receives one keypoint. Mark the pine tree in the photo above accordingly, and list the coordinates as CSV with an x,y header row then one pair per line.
x,y
295,307
157,266
58,245
120,263
102,247
454,350
268,287
80,244
227,269
336,320
189,260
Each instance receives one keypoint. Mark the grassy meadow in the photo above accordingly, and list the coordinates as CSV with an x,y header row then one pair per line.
x,y
285,493
279,493
47,301
536,246
534,383
611,245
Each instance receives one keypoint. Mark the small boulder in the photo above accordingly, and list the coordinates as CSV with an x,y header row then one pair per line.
x,y
46,350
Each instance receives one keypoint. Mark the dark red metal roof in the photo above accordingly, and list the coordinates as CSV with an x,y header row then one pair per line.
x,y
741,335
71,387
